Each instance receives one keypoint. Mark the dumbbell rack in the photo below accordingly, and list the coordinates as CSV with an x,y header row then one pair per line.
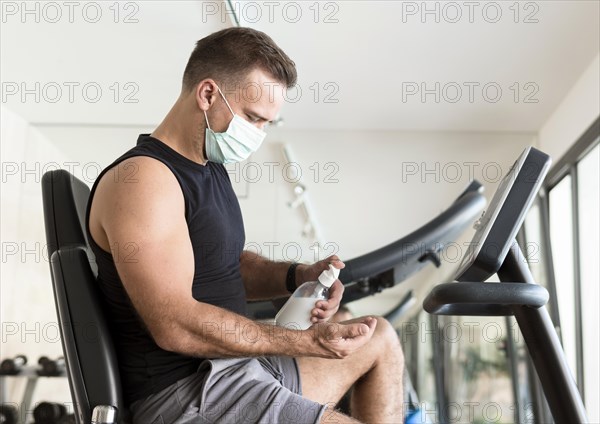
x,y
31,373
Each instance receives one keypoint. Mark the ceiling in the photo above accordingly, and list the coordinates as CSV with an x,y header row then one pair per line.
x,y
362,64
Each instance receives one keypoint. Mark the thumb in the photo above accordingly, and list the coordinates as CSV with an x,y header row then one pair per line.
x,y
350,331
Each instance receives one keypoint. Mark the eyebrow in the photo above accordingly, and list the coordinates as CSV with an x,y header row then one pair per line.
x,y
256,115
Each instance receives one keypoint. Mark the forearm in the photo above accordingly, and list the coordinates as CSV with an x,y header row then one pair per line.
x,y
265,279
213,332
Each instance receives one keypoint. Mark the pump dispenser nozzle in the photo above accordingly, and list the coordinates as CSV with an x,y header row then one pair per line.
x,y
328,276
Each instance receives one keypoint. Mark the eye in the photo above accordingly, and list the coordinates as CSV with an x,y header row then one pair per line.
x,y
252,119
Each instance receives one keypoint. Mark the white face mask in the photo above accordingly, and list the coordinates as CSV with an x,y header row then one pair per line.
x,y
238,142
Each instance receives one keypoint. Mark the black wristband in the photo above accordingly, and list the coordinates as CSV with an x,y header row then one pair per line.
x,y
290,279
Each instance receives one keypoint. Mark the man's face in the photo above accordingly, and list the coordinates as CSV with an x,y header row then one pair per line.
x,y
258,100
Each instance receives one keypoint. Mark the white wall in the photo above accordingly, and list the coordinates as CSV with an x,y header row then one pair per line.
x,y
576,112
27,311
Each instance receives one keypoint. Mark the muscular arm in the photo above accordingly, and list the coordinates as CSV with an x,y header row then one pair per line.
x,y
265,279
148,212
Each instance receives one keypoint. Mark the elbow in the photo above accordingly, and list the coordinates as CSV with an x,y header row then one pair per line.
x,y
182,341
187,343
165,343
169,339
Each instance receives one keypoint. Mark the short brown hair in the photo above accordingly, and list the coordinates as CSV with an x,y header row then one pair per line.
x,y
230,54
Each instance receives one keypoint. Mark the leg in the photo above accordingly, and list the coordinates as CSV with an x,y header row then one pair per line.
x,y
376,370
334,417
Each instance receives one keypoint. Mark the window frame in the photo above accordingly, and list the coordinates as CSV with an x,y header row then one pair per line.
x,y
567,165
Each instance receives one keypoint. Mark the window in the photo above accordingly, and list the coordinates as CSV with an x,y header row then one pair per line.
x,y
573,192
561,236
588,190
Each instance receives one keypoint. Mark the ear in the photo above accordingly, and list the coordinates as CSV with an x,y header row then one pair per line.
x,y
205,93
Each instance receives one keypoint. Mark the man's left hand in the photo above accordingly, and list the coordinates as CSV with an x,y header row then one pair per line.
x,y
324,309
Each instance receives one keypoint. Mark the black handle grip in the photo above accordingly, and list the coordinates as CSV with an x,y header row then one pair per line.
x,y
483,299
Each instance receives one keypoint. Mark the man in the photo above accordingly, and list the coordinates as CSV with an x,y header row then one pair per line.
x,y
168,236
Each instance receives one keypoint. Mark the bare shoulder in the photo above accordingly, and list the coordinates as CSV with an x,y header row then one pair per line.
x,y
138,175
139,188
140,179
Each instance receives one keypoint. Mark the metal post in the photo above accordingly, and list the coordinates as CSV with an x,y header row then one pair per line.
x,y
28,396
577,280
512,357
544,347
439,364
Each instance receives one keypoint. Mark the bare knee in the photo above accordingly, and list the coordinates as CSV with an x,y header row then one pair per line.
x,y
387,337
385,331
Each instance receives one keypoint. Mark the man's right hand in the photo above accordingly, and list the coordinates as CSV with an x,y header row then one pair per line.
x,y
338,340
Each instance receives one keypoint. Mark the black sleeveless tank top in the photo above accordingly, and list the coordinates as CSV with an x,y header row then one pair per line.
x,y
216,230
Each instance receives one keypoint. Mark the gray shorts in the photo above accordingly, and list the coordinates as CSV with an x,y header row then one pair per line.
x,y
241,390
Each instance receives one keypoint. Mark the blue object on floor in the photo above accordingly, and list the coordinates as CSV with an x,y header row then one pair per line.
x,y
416,416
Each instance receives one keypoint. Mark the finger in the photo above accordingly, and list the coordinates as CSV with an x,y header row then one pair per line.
x,y
349,331
319,314
371,322
324,305
324,316
335,261
314,315
366,329
330,305
325,312
336,292
335,297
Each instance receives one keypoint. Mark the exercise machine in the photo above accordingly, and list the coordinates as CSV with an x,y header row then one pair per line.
x,y
494,250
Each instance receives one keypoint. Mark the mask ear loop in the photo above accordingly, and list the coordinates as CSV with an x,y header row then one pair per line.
x,y
226,102
207,124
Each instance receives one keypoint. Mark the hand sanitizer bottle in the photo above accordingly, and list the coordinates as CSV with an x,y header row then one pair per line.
x,y
296,311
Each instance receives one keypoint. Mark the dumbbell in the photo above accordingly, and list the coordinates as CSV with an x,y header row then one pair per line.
x,y
51,367
49,413
8,414
13,366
